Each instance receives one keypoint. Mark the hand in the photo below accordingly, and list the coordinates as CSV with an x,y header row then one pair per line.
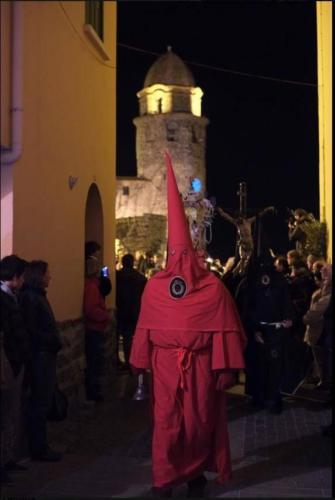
x,y
225,380
259,338
287,323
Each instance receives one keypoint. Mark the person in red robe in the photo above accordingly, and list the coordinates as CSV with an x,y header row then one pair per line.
x,y
189,335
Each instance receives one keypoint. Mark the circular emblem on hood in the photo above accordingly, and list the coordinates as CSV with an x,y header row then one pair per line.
x,y
265,279
177,287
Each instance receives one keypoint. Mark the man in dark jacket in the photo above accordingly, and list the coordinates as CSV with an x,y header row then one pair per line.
x,y
129,288
15,354
46,343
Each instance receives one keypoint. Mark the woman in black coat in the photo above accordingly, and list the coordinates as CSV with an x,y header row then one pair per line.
x,y
46,343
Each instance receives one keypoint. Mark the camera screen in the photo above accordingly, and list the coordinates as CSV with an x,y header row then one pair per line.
x,y
105,272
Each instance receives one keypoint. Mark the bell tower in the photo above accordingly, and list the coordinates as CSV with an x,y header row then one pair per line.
x,y
170,120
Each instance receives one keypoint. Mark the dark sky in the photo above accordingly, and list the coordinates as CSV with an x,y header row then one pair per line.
x,y
261,131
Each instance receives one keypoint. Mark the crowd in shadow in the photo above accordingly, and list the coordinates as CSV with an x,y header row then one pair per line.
x,y
284,301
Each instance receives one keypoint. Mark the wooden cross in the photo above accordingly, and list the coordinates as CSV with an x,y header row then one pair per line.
x,y
242,194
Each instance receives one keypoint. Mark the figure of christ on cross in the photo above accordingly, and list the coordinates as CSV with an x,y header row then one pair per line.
x,y
243,223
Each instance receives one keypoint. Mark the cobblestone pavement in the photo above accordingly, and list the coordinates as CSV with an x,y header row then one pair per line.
x,y
107,452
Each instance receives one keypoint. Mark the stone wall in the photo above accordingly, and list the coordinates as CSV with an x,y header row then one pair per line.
x,y
71,361
143,234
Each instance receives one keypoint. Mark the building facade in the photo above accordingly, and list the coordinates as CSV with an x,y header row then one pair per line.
x,y
169,120
58,153
58,120
325,113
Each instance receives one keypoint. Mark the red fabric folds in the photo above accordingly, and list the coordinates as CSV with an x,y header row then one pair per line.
x,y
188,331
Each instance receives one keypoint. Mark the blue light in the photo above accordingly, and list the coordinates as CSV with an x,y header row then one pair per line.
x,y
196,185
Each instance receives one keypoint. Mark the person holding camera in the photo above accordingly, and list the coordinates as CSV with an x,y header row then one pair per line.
x,y
96,320
93,251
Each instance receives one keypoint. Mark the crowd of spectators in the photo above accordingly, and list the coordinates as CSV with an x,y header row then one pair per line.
x,y
283,300
30,343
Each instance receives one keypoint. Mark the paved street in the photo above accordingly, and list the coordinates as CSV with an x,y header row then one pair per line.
x,y
107,452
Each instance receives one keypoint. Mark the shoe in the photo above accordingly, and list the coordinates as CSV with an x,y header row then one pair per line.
x,y
161,492
12,466
196,487
47,456
5,478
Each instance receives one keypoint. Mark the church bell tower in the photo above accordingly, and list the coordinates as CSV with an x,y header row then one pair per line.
x,y
170,120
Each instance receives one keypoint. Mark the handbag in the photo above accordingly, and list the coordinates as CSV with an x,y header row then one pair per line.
x,y
59,406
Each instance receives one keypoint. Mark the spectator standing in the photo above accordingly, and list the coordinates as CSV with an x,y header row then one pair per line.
x,y
314,319
96,320
129,288
15,356
145,264
293,256
302,285
326,343
310,259
282,266
46,343
297,228
93,251
318,265
311,335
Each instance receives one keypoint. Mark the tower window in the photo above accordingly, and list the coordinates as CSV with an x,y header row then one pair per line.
x,y
125,190
194,136
95,16
171,133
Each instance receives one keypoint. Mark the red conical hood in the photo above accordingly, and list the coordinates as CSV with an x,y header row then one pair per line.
x,y
178,229
185,295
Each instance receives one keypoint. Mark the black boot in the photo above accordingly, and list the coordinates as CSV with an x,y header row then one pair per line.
x,y
196,487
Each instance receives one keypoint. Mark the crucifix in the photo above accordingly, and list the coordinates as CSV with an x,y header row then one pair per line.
x,y
242,194
243,223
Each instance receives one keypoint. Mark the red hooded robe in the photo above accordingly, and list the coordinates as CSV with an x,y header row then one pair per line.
x,y
190,336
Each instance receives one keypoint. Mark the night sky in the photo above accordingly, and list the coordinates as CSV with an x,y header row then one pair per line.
x,y
263,132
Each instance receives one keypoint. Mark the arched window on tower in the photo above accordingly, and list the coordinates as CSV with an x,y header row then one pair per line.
x,y
171,132
194,136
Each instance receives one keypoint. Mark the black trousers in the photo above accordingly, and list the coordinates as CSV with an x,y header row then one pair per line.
x,y
95,357
269,371
43,381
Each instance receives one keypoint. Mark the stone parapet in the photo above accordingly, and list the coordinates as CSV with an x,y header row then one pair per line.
x,y
144,234
71,360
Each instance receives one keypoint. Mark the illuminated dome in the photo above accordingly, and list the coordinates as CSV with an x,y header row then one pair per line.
x,y
169,69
